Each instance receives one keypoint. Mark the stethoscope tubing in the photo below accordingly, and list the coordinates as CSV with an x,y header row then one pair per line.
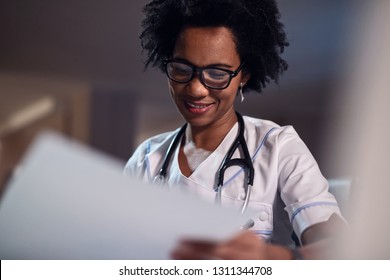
x,y
245,162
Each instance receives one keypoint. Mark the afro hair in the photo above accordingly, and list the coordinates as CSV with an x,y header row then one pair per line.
x,y
259,35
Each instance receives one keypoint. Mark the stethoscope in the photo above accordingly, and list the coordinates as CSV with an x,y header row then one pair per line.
x,y
245,162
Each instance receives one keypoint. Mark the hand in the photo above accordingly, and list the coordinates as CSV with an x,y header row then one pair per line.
x,y
247,246
244,246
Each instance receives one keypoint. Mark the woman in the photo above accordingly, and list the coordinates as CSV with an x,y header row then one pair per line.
x,y
213,51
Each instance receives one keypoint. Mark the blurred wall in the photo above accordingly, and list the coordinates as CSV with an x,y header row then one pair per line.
x,y
361,139
97,42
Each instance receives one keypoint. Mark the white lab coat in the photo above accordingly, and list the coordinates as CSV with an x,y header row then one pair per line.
x,y
288,190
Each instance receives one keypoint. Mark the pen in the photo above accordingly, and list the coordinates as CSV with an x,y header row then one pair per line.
x,y
248,224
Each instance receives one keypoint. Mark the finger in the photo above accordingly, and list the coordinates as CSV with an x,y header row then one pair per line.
x,y
189,252
237,253
244,246
245,239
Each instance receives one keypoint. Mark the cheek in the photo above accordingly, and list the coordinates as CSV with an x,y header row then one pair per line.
x,y
231,92
173,90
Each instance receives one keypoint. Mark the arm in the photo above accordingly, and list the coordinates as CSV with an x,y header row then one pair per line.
x,y
318,239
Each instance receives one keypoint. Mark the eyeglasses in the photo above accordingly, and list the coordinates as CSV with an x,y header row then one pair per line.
x,y
211,77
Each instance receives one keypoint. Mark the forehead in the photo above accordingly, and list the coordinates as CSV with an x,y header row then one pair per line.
x,y
207,45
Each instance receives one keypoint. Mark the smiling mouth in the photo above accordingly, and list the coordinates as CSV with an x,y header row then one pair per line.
x,y
197,106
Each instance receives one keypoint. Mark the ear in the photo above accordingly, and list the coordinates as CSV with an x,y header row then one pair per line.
x,y
245,77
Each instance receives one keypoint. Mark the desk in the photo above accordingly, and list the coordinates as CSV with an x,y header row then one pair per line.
x,y
30,104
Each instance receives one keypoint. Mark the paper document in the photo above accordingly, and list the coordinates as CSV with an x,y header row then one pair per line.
x,y
69,202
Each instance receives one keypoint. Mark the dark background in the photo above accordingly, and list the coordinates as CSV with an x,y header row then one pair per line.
x,y
97,42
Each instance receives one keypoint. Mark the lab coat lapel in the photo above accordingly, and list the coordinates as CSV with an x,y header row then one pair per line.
x,y
206,173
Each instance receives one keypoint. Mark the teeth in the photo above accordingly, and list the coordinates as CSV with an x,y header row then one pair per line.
x,y
197,106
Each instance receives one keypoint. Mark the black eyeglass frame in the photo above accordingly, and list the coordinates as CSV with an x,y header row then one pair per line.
x,y
200,70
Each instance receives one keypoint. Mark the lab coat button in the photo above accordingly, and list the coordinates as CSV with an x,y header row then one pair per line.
x,y
263,216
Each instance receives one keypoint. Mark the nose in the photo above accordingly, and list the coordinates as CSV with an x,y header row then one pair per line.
x,y
196,88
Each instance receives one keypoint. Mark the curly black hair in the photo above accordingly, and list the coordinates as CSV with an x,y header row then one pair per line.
x,y
258,33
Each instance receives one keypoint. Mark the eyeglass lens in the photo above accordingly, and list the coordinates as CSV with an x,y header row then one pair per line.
x,y
211,77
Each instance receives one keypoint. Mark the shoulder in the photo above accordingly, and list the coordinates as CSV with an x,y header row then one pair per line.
x,y
266,130
271,140
157,145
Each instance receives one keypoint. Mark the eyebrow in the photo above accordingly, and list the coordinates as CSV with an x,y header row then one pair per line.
x,y
218,65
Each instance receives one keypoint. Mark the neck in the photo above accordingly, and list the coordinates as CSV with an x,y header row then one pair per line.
x,y
209,137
